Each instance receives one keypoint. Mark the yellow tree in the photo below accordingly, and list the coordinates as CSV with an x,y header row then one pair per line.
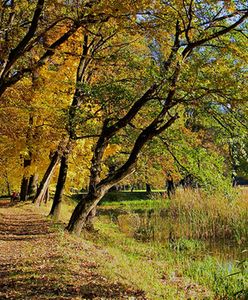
x,y
29,27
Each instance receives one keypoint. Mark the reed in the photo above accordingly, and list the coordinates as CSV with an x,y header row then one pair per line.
x,y
212,216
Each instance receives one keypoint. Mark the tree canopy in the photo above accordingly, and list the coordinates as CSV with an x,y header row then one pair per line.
x,y
95,85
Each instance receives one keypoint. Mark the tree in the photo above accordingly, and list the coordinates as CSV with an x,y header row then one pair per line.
x,y
192,27
33,117
31,32
99,41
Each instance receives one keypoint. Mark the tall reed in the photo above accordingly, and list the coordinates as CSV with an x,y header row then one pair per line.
x,y
212,216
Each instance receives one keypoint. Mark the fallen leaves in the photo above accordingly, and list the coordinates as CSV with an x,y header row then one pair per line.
x,y
38,262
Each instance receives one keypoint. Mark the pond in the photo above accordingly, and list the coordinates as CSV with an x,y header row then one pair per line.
x,y
156,225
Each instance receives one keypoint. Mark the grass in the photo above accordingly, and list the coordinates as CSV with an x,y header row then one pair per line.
x,y
206,217
133,263
180,270
181,267
124,196
143,264
40,260
136,204
198,215
225,280
190,214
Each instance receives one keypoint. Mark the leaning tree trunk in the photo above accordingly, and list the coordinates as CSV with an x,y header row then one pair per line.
x,y
55,210
89,225
47,196
42,189
98,188
84,212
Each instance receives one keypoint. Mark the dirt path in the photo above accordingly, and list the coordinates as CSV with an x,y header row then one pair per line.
x,y
39,261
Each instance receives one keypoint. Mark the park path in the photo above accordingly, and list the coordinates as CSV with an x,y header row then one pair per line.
x,y
39,261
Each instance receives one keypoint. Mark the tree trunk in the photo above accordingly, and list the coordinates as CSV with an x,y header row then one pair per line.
x,y
84,212
47,195
55,210
24,189
25,181
170,187
41,191
32,186
8,187
97,187
89,225
148,188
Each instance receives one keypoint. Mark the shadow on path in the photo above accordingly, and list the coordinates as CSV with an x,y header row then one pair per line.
x,y
34,263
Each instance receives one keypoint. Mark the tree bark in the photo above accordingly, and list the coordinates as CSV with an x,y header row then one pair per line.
x,y
24,189
55,210
170,187
148,188
8,188
171,190
89,225
32,186
41,191
84,212
25,181
47,195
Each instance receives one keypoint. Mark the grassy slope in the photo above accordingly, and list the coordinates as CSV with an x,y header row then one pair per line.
x,y
142,266
211,216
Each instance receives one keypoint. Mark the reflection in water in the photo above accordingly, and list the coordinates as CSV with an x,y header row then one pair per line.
x,y
158,226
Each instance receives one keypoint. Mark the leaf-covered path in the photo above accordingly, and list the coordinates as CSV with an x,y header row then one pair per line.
x,y
39,261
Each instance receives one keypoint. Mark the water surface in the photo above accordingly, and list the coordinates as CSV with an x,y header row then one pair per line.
x,y
149,225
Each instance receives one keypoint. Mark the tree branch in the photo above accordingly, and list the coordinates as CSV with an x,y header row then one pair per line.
x,y
147,134
17,52
200,42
